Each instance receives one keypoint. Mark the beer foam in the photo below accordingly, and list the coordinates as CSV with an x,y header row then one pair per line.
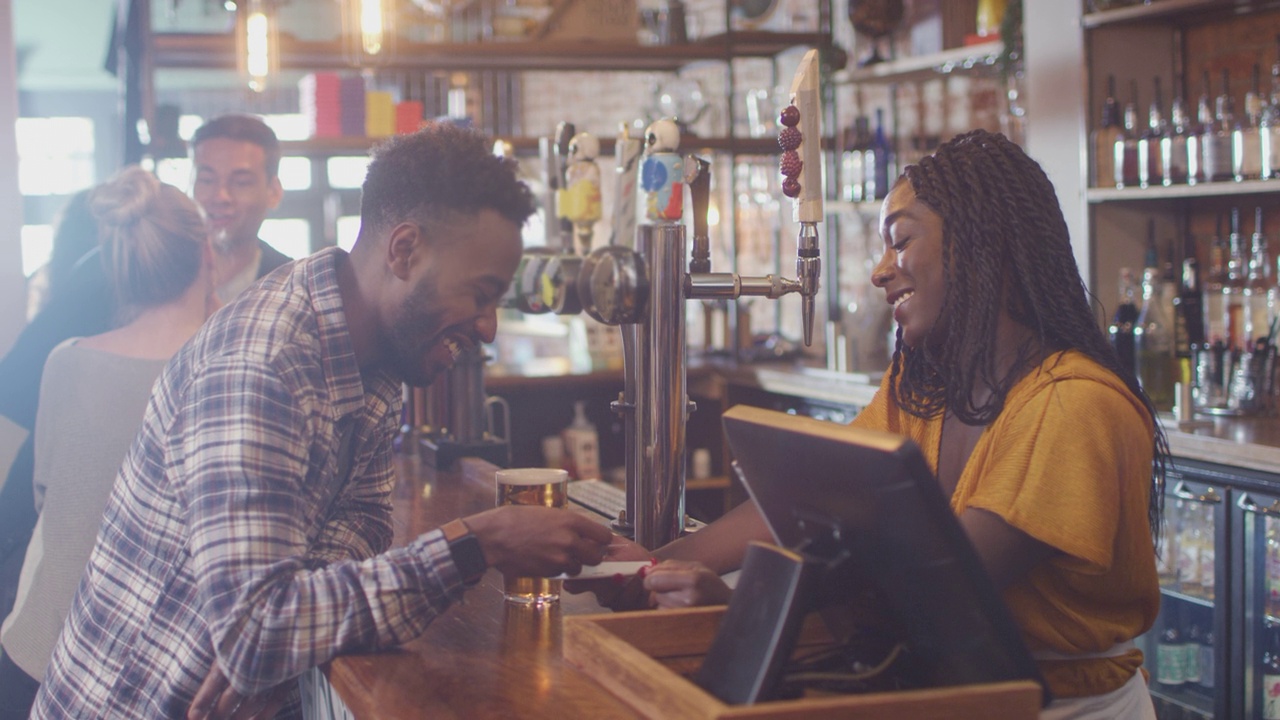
x,y
531,476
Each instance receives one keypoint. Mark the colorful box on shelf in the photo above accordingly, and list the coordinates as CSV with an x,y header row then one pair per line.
x,y
379,114
645,659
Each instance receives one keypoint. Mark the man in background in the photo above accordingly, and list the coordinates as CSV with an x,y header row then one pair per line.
x,y
236,161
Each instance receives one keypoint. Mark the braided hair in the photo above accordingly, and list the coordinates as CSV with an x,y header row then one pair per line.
x,y
1004,237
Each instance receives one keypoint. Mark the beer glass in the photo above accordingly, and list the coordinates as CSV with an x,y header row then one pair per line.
x,y
532,486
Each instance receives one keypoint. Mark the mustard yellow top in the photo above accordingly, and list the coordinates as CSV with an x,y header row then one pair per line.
x,y
1067,461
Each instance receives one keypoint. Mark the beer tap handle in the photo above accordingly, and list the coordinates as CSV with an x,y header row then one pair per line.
x,y
697,175
801,141
564,133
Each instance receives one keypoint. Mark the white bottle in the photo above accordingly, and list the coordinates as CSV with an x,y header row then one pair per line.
x,y
582,445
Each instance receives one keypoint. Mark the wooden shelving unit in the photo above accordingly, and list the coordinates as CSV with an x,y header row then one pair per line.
x,y
204,51
970,59
1172,192
1152,11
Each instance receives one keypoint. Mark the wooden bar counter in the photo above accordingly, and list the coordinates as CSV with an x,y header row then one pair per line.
x,y
483,658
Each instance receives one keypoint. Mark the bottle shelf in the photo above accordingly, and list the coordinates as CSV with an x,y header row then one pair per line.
x,y
1173,192
1151,11
325,147
972,59
208,51
1194,700
1187,598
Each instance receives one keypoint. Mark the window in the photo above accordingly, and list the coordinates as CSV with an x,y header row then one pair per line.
x,y
295,173
347,172
348,230
291,236
55,155
37,246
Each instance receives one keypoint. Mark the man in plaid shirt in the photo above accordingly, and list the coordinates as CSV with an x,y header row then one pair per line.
x,y
246,538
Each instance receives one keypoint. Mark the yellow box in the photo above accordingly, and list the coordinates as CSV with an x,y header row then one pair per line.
x,y
645,658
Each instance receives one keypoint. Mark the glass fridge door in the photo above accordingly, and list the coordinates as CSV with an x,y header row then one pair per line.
x,y
1259,518
1183,650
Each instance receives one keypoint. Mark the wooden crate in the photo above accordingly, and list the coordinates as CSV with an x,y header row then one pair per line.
x,y
643,658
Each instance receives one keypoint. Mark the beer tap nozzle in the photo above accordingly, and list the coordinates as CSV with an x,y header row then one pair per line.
x,y
808,270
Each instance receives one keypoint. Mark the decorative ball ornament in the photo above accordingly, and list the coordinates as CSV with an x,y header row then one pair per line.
x,y
789,140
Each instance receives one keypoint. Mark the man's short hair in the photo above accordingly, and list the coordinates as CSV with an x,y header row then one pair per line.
x,y
245,128
439,171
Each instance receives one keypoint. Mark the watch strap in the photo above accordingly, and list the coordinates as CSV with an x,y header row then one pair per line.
x,y
464,547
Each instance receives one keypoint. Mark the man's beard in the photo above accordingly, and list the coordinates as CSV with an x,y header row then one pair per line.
x,y
413,328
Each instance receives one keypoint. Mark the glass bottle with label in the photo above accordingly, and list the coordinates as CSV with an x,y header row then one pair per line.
x,y
1269,132
853,178
1150,168
1171,657
1260,286
1215,313
1270,672
1173,143
1215,141
1123,323
1153,333
1104,139
1233,288
1196,136
878,162
1189,305
1246,140
1125,149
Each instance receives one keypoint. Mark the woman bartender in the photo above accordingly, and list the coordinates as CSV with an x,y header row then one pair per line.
x,y
1047,447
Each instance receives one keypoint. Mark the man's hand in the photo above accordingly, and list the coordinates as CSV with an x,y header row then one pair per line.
x,y
217,700
626,595
681,583
538,541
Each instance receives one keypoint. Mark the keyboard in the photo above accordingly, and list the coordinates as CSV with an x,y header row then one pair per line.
x,y
599,496
610,500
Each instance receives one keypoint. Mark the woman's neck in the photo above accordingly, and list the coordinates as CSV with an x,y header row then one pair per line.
x,y
157,332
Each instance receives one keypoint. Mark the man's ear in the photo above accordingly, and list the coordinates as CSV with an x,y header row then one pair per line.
x,y
402,241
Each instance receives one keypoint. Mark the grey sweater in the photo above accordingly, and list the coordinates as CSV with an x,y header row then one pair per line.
x,y
91,406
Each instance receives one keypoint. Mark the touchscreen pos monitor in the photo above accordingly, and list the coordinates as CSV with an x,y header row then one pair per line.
x,y
864,509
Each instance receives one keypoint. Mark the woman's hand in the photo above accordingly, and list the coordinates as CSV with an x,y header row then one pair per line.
x,y
610,593
682,583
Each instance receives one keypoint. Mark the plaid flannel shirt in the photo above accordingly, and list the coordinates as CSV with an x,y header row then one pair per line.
x,y
229,534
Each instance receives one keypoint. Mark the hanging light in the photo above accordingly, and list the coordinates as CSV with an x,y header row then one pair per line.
x,y
368,31
257,42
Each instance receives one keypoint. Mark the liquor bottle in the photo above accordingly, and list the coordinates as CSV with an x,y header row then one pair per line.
x,y
853,175
1215,312
1233,288
1271,674
1208,557
1271,593
1173,144
1171,656
1153,333
1167,557
1260,286
1207,659
1246,141
1269,132
1193,639
1102,144
1150,168
1125,149
1122,325
1215,141
877,162
1189,307
1196,136
1191,540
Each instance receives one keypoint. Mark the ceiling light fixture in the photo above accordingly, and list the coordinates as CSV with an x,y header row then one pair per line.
x,y
257,42
368,31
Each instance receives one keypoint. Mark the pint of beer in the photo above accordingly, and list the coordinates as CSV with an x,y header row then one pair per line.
x,y
532,486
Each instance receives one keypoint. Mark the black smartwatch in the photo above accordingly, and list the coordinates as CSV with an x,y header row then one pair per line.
x,y
466,551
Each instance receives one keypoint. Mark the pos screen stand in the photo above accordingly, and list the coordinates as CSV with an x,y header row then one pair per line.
x,y
860,511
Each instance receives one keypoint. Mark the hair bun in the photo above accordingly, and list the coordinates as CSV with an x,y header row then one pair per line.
x,y
126,198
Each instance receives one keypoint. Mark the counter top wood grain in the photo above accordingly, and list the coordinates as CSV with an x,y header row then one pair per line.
x,y
483,658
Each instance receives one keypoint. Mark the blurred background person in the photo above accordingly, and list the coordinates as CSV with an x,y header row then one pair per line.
x,y
236,160
159,272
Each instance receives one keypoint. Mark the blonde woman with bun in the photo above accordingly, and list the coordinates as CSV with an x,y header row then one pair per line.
x,y
92,398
